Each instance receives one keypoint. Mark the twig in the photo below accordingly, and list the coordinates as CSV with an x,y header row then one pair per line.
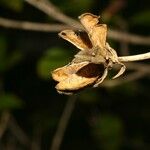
x,y
138,66
24,25
135,57
45,27
52,11
18,132
130,38
131,77
48,8
36,139
123,25
4,122
63,122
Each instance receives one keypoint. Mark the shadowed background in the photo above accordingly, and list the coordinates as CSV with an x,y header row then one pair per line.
x,y
112,117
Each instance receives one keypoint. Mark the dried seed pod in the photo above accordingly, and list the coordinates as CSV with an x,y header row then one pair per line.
x,y
90,65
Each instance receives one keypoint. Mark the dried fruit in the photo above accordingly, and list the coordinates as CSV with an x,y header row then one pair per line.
x,y
91,64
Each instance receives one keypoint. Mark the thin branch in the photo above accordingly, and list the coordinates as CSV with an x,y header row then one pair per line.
x,y
131,77
138,66
113,34
135,57
130,38
18,132
36,139
48,8
45,27
5,117
123,26
24,25
63,122
55,27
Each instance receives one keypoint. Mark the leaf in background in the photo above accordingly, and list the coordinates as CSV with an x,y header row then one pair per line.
x,y
15,5
10,101
52,59
108,130
141,18
10,59
7,62
15,57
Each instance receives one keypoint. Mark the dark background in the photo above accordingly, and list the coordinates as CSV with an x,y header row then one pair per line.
x,y
105,118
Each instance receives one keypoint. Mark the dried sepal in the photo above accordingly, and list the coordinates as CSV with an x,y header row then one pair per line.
x,y
114,60
101,79
121,71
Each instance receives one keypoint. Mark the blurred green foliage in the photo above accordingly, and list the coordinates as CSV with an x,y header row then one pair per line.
x,y
108,130
120,115
15,5
141,18
7,60
53,58
9,101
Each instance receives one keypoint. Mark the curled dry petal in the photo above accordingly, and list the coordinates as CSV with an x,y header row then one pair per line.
x,y
74,82
101,79
62,73
89,20
97,32
84,77
79,39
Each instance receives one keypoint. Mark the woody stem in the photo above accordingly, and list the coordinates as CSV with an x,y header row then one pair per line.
x,y
134,57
